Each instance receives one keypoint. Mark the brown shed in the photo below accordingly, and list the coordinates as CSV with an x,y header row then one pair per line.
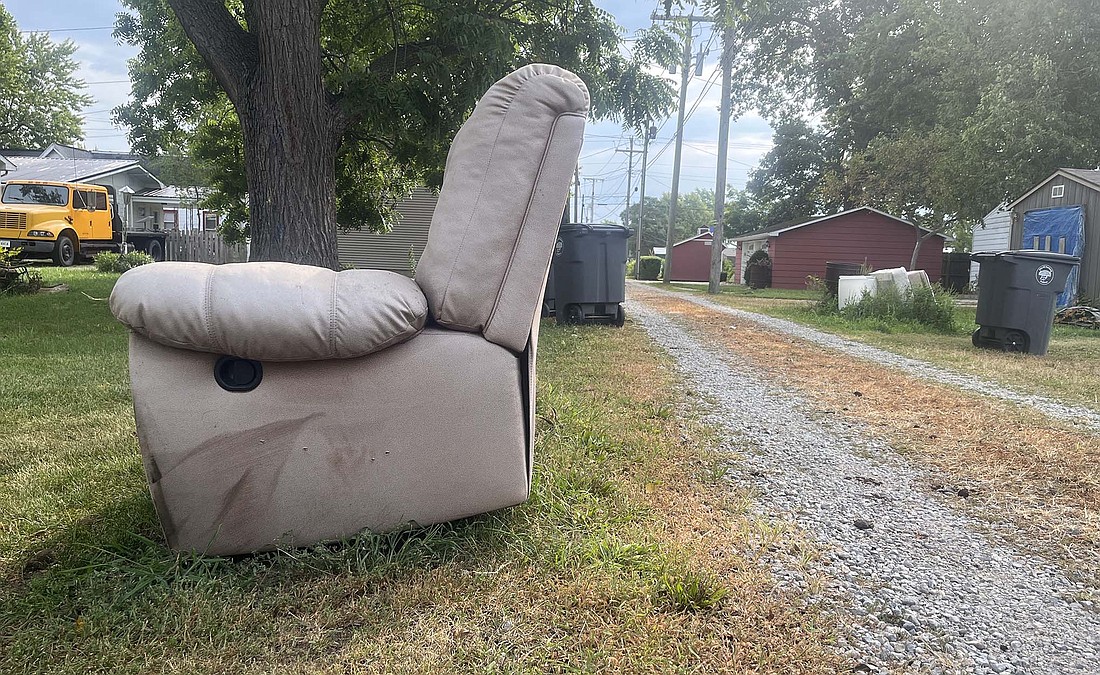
x,y
1071,198
800,249
691,258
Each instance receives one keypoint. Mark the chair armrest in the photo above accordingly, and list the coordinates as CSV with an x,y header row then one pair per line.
x,y
269,311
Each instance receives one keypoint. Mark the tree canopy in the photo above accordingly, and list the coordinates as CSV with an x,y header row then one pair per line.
x,y
935,111
40,96
395,80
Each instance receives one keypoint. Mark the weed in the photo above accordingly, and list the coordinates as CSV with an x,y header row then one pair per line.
x,y
690,591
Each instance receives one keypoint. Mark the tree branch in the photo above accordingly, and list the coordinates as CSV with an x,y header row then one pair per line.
x,y
228,49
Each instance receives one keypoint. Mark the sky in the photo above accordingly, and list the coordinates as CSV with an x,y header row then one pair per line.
x,y
103,66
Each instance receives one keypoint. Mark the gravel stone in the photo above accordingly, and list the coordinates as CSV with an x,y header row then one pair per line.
x,y
928,591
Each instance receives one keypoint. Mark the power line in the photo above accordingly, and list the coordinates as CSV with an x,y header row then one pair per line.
x,y
68,30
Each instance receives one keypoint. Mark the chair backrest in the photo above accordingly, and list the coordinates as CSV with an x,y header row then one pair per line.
x,y
504,189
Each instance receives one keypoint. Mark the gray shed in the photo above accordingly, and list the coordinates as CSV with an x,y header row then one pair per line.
x,y
1062,214
400,248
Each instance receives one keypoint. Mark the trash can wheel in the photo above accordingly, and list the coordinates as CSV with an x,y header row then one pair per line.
x,y
574,314
620,316
1015,341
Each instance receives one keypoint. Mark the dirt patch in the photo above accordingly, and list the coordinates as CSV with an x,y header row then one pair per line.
x,y
1009,464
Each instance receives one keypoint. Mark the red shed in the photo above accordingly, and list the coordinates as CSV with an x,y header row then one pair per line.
x,y
691,258
801,248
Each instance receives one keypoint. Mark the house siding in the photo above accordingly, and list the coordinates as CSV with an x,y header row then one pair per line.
x,y
391,251
859,237
691,260
1076,194
995,234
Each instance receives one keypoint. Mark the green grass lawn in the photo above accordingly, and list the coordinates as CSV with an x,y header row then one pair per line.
x,y
633,554
1069,371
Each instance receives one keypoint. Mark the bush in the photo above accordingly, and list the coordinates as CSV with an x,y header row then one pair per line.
x,y
119,263
933,307
630,267
650,269
758,270
16,279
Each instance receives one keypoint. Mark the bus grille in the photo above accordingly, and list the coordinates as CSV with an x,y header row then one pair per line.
x,y
17,221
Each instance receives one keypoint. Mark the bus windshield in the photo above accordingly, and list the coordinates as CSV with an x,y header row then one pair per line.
x,y
30,193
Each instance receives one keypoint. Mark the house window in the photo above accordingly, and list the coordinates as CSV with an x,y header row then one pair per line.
x,y
170,219
1058,191
209,221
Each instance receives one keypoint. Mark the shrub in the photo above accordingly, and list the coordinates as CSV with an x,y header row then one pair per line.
x,y
650,269
758,270
119,263
16,279
630,267
933,307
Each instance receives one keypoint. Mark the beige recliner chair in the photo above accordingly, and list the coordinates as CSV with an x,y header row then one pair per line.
x,y
280,405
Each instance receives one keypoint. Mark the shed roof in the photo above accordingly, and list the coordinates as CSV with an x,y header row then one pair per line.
x,y
698,236
1087,177
776,230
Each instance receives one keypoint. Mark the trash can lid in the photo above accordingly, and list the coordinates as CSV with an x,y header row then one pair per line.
x,y
1027,254
602,228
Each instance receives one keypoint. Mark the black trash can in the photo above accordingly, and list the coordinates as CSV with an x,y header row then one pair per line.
x,y
589,269
1017,291
548,294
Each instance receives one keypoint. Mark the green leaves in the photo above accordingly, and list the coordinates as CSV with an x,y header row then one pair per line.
x,y
39,94
936,111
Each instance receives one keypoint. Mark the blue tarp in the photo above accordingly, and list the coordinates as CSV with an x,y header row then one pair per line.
x,y
1059,230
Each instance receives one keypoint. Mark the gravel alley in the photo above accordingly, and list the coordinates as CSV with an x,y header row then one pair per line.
x,y
923,583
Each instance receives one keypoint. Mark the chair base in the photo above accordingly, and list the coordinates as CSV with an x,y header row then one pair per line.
x,y
431,430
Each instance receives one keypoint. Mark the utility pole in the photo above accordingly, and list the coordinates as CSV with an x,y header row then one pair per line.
x,y
629,177
577,195
650,132
717,244
591,202
689,22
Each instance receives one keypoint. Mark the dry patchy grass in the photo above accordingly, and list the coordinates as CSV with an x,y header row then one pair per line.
x,y
1070,370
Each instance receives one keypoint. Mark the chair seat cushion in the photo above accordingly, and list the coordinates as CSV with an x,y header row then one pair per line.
x,y
269,311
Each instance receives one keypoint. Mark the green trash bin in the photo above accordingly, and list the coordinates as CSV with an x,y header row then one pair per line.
x,y
590,273
1017,291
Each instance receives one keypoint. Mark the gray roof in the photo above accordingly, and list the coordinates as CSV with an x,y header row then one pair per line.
x,y
61,151
168,191
1088,177
66,170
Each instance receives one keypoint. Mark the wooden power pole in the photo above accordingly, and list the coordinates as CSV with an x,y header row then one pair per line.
x,y
717,244
689,21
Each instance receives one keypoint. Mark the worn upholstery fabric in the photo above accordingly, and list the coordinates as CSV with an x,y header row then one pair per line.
x,y
504,190
423,432
269,311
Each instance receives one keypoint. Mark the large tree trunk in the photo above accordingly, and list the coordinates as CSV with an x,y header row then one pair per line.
x,y
290,138
273,75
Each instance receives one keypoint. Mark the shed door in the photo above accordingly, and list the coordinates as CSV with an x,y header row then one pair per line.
x,y
1059,230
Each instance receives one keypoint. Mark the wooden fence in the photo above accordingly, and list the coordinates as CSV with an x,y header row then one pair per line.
x,y
199,246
